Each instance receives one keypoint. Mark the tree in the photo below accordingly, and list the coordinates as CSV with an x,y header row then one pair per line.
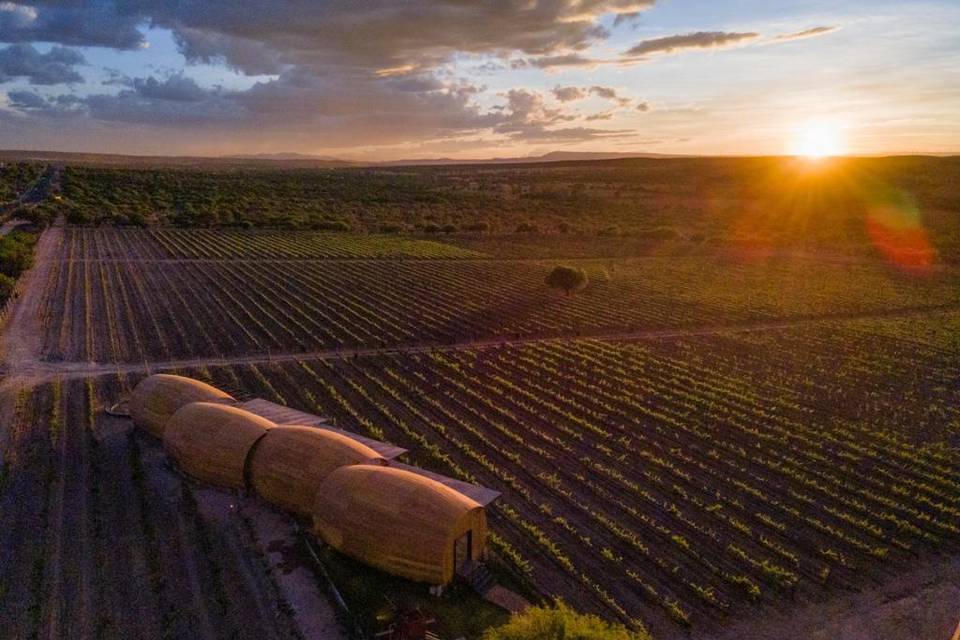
x,y
567,278
16,253
560,623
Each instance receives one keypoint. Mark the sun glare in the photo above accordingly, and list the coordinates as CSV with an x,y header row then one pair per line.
x,y
818,139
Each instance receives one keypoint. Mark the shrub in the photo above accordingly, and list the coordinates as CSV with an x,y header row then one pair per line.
x,y
567,278
477,227
78,216
659,233
331,225
6,287
16,253
527,227
560,623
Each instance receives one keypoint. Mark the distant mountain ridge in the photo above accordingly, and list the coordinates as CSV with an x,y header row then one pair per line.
x,y
553,156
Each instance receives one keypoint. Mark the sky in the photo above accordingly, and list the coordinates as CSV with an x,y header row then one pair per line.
x,y
390,79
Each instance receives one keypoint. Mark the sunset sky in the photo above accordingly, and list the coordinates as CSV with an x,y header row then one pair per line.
x,y
386,79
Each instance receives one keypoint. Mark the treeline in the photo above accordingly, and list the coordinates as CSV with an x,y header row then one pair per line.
x,y
16,256
768,201
16,177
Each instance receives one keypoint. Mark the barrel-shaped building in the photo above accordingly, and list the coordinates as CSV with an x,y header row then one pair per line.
x,y
212,442
399,521
288,464
159,396
396,519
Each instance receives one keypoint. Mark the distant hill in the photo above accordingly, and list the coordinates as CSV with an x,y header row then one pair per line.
x,y
287,156
553,156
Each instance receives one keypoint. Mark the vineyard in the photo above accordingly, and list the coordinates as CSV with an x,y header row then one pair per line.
x,y
688,442
675,483
134,305
103,539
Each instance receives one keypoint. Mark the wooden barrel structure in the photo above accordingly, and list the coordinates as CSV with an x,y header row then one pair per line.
x,y
211,442
288,464
390,518
159,396
398,521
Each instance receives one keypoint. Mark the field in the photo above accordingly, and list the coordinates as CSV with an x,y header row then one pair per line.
x,y
164,295
706,434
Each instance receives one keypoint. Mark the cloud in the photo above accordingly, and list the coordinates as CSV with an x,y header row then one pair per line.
x,y
47,107
260,37
603,115
94,23
697,40
54,67
609,93
342,73
344,112
25,100
552,62
250,56
529,108
643,106
177,88
806,33
175,99
527,117
571,93
568,94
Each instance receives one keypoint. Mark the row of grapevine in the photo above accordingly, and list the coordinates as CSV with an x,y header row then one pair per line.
x,y
208,244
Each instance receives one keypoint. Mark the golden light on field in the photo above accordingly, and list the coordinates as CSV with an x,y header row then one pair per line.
x,y
818,139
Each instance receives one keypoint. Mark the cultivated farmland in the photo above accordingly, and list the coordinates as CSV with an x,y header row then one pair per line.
x,y
661,482
700,437
126,301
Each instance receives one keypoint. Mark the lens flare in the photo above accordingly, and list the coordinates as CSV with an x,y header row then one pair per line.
x,y
894,226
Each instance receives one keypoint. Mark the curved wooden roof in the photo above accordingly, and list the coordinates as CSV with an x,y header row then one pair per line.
x,y
159,396
211,441
289,463
396,520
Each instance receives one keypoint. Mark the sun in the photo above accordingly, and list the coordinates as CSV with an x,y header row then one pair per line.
x,y
818,139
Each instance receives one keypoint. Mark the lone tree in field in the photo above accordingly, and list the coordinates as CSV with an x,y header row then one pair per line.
x,y
567,278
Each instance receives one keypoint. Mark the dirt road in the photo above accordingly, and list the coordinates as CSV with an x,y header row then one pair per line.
x,y
22,337
26,365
